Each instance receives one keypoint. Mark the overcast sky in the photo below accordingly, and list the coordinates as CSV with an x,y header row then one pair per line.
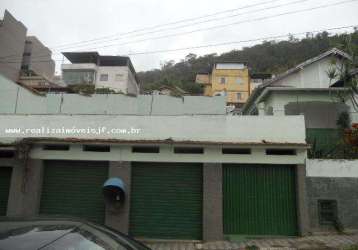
x,y
59,22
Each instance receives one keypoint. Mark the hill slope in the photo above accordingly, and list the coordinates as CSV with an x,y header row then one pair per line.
x,y
267,57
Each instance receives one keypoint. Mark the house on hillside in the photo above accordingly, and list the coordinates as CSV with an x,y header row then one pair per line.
x,y
227,78
307,89
113,72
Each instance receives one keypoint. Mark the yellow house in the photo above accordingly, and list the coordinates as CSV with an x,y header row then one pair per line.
x,y
230,79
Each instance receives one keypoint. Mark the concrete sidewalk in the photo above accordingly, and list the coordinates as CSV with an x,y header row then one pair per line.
x,y
308,243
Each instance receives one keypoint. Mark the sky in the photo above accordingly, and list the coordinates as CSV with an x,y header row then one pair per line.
x,y
125,27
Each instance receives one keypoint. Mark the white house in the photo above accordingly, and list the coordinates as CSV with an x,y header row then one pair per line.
x,y
305,89
114,72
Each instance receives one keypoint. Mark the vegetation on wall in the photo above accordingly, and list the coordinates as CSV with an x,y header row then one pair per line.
x,y
89,89
345,72
340,143
86,89
268,57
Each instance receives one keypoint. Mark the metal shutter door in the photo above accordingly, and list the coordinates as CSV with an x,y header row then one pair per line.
x,y
5,179
166,200
259,200
74,188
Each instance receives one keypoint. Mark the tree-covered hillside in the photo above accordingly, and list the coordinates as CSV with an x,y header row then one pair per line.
x,y
268,57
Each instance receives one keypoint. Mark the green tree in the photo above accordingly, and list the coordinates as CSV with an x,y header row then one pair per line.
x,y
268,57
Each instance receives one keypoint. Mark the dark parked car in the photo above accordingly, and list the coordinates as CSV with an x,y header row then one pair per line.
x,y
61,234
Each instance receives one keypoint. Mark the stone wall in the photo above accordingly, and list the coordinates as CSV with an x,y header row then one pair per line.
x,y
333,180
343,190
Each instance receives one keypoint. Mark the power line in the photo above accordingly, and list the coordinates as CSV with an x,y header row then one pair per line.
x,y
231,42
236,42
226,25
230,24
187,25
175,22
200,22
196,23
161,25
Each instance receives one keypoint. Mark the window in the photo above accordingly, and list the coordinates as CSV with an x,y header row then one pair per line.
x,y
145,149
239,80
234,151
188,150
257,80
78,76
222,80
278,151
238,96
56,147
7,154
97,148
327,212
119,77
103,77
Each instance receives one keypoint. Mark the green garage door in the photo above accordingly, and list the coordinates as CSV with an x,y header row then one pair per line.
x,y
166,200
5,178
74,188
259,200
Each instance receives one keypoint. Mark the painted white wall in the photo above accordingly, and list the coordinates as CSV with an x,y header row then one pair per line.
x,y
311,76
332,168
206,128
120,84
276,102
133,87
15,99
212,154
353,111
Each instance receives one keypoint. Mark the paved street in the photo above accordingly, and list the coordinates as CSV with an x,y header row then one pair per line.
x,y
308,243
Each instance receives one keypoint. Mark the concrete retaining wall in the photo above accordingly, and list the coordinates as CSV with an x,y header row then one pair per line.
x,y
14,99
333,180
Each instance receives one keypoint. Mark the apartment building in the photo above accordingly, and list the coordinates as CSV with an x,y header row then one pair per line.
x,y
23,57
12,42
113,72
227,78
37,59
